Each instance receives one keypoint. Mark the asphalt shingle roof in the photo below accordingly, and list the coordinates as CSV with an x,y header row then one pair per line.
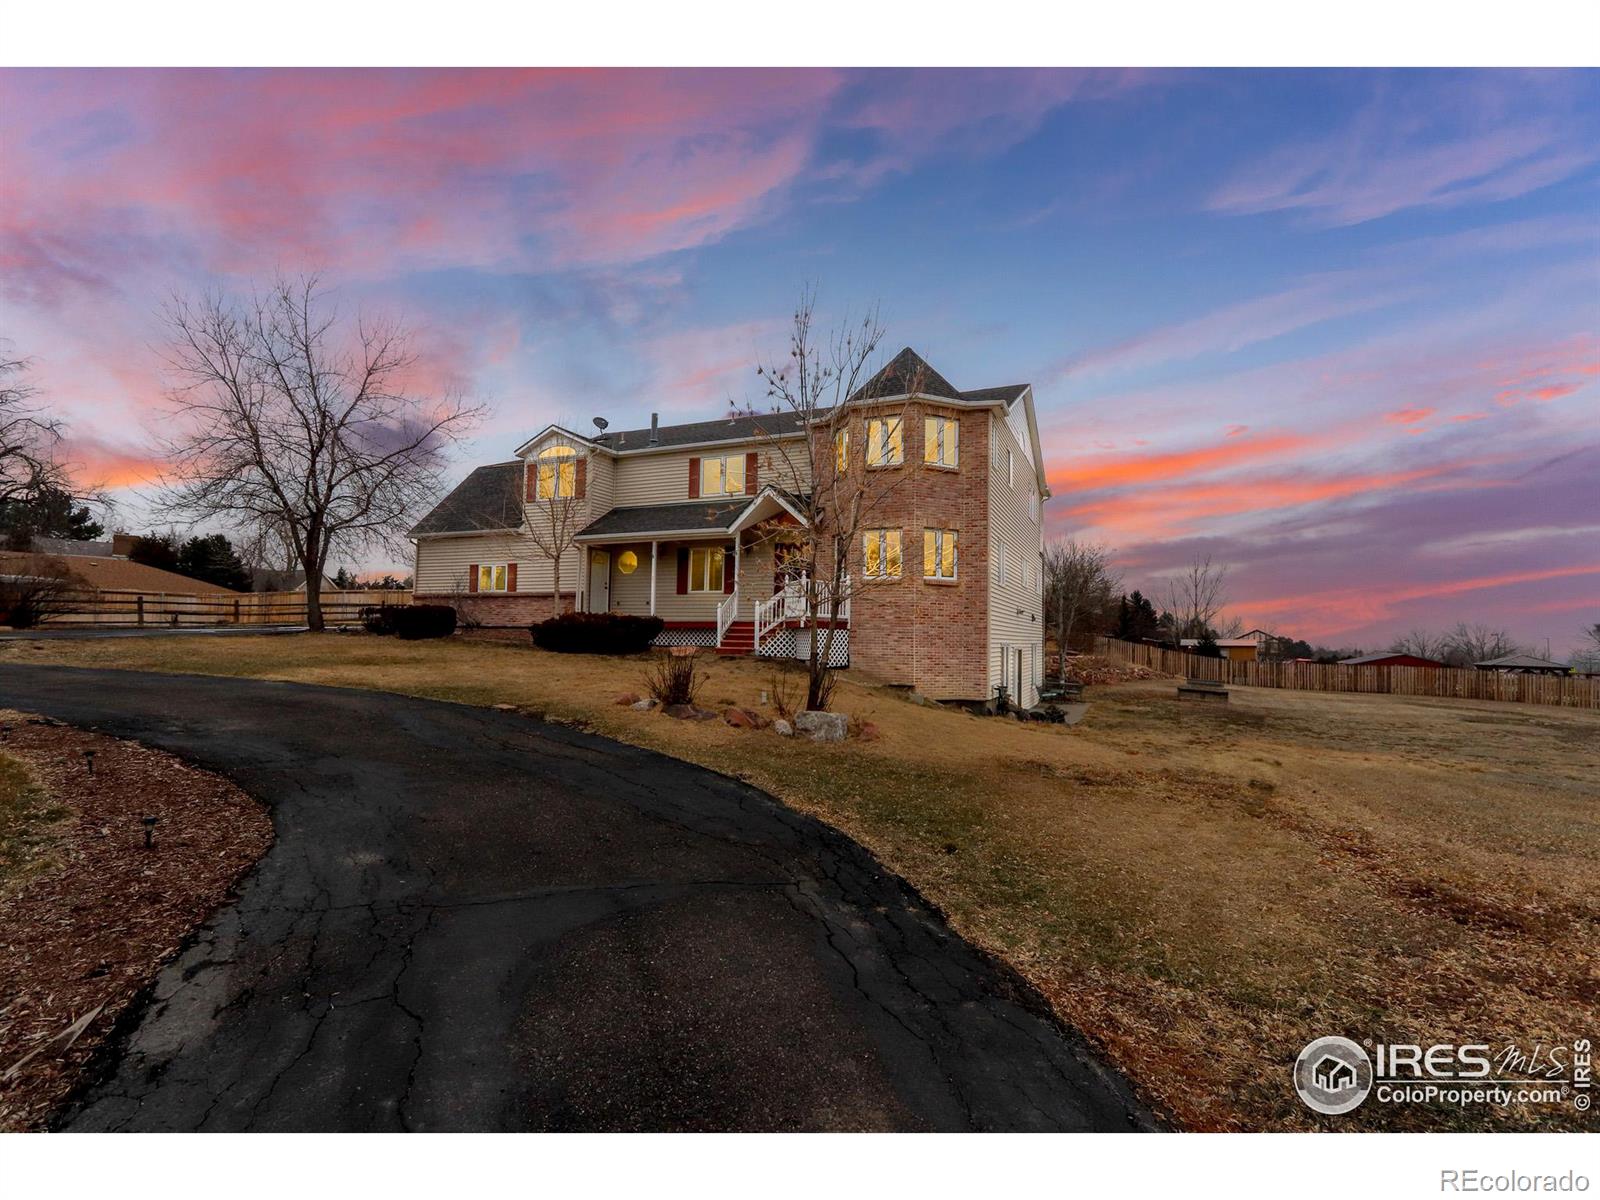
x,y
736,428
1523,660
107,573
705,517
995,395
490,498
901,373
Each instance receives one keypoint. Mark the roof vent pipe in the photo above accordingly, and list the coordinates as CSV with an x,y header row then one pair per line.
x,y
655,428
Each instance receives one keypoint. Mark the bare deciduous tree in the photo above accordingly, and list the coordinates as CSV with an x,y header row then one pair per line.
x,y
36,588
1080,587
1587,656
31,467
1421,643
1197,596
1468,644
556,511
827,388
286,418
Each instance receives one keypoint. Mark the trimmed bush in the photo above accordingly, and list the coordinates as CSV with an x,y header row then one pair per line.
x,y
414,621
378,618
596,633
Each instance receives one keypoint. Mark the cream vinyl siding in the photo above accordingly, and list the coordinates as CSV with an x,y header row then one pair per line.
x,y
663,477
442,563
1020,540
631,593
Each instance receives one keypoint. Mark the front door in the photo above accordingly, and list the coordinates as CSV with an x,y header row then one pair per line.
x,y
599,581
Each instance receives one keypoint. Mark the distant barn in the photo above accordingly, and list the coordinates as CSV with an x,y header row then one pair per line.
x,y
1389,659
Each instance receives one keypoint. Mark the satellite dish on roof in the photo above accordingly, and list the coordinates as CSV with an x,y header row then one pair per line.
x,y
600,423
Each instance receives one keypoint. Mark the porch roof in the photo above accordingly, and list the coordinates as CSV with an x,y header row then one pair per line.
x,y
665,520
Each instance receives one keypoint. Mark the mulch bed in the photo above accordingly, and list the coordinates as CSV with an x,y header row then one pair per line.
x,y
88,933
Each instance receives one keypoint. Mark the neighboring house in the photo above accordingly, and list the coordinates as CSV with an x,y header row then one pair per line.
x,y
116,574
70,546
1388,659
1524,664
266,580
690,523
1239,649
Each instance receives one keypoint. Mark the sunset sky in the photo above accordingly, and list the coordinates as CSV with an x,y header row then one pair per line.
x,y
1339,330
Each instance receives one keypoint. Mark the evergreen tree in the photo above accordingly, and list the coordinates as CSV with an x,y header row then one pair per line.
x,y
52,512
155,550
213,560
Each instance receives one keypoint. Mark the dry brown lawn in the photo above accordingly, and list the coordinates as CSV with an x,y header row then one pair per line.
x,y
1200,889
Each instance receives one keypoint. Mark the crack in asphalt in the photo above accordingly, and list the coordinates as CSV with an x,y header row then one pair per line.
x,y
433,942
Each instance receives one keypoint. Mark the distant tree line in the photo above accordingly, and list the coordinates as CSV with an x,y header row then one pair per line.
x,y
1084,600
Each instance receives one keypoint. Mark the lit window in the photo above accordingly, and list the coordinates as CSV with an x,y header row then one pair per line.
x,y
492,577
722,476
627,562
938,553
705,568
939,438
885,442
881,550
558,473
841,451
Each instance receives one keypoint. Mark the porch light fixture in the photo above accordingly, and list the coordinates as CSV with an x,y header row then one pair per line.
x,y
627,562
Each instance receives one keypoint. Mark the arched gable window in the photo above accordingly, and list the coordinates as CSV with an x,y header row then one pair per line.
x,y
558,473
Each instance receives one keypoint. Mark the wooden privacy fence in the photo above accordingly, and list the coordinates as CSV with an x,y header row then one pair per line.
x,y
1448,682
181,611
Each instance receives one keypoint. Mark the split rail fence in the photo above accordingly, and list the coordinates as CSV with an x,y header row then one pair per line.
x,y
1568,690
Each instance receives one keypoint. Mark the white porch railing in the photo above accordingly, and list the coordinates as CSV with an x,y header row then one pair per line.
x,y
789,604
726,611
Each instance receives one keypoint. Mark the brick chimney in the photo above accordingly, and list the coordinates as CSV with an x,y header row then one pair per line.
x,y
122,544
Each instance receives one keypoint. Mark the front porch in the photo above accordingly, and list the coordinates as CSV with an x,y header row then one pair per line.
x,y
723,585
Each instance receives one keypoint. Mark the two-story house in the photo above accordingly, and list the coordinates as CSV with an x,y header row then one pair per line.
x,y
677,521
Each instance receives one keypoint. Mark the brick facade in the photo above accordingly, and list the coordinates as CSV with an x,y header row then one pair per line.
x,y
500,610
933,636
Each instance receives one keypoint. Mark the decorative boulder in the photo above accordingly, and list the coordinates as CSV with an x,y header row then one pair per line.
x,y
689,712
743,718
644,705
822,726
868,732
782,728
627,698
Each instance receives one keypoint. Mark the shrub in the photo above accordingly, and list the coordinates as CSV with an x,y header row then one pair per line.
x,y
378,618
672,680
41,589
414,621
596,633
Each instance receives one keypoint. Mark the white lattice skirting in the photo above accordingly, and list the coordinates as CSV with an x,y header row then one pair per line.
x,y
796,643
686,637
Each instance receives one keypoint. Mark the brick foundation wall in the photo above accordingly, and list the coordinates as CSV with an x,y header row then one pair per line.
x,y
500,609
932,636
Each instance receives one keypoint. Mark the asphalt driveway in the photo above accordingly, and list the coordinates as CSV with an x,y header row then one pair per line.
x,y
474,921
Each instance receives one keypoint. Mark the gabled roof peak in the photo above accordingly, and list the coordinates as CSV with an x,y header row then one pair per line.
x,y
905,373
